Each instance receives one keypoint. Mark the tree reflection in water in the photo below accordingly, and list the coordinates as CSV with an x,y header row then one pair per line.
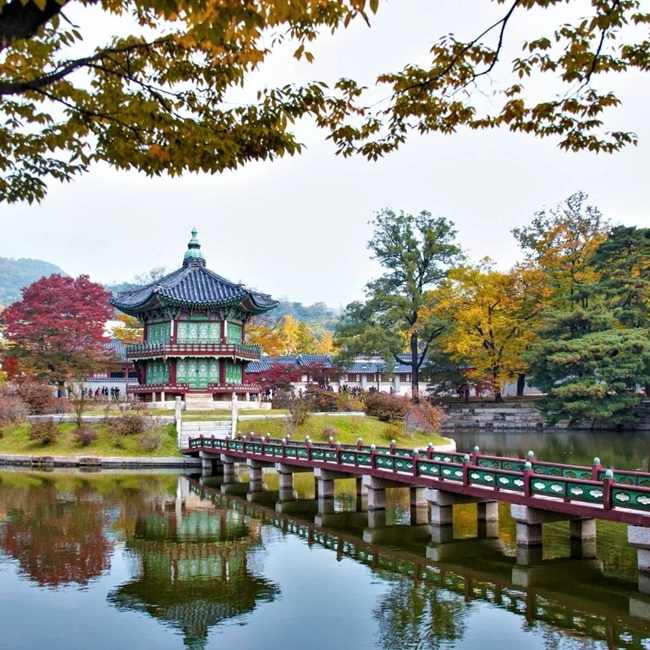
x,y
57,538
419,616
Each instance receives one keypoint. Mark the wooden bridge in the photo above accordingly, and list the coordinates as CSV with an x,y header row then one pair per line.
x,y
539,492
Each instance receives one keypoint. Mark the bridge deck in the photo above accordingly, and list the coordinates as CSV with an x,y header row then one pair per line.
x,y
574,490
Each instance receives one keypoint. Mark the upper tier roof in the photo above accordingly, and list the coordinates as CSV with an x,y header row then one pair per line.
x,y
193,286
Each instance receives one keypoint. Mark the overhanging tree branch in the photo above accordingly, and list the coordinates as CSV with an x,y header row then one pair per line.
x,y
19,88
19,20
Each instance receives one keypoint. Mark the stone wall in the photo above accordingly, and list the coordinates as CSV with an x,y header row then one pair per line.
x,y
523,416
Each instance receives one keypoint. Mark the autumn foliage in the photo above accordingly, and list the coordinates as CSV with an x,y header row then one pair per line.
x,y
56,332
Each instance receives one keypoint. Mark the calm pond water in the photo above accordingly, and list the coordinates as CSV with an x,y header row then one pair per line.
x,y
171,561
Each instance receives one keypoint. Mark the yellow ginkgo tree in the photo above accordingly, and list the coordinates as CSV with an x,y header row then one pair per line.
x,y
490,314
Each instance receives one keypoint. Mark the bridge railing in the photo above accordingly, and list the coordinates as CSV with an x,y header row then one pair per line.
x,y
528,477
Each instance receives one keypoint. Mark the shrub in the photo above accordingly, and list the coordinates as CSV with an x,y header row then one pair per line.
x,y
349,403
424,416
322,401
129,423
13,410
44,431
386,407
85,435
39,397
330,432
153,435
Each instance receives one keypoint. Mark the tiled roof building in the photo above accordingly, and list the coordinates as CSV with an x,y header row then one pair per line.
x,y
194,326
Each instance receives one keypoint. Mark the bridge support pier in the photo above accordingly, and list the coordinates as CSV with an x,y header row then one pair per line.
x,y
285,476
442,514
419,506
256,474
362,496
639,538
529,522
230,469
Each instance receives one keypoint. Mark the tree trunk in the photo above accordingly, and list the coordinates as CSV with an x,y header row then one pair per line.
x,y
521,384
415,370
496,386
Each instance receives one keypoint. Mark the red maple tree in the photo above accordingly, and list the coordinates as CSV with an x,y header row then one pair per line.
x,y
279,376
56,331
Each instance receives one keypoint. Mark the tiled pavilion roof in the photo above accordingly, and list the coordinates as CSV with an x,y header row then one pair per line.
x,y
193,286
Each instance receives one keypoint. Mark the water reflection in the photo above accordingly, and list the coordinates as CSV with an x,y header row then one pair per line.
x,y
166,561
192,564
56,536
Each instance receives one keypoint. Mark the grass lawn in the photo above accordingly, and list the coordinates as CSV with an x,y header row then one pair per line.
x,y
16,441
346,429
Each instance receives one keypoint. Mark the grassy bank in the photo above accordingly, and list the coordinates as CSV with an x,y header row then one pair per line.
x,y
346,429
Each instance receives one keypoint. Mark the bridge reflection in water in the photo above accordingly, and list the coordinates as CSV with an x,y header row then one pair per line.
x,y
570,594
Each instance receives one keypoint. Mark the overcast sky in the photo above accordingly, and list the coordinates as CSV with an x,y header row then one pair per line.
x,y
297,228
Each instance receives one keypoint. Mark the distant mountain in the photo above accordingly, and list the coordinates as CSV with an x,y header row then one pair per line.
x,y
16,274
319,317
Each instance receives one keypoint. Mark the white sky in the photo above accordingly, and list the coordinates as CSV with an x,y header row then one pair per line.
x,y
297,228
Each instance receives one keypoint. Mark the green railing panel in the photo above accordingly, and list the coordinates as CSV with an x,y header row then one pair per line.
x,y
482,477
404,453
546,469
630,497
542,485
451,473
385,462
583,492
403,464
317,454
448,457
509,482
428,468
329,454
628,478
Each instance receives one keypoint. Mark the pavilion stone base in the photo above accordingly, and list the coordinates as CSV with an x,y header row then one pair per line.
x,y
199,402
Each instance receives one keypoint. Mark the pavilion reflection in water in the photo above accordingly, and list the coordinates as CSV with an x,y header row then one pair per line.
x,y
194,568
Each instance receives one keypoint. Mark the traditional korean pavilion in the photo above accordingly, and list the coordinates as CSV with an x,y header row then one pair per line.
x,y
194,326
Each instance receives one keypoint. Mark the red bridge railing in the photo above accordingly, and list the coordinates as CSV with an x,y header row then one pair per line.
x,y
551,486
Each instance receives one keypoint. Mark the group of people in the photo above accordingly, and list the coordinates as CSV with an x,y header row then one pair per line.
x,y
102,393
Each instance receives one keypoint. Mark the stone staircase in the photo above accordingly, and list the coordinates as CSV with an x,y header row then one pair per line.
x,y
218,429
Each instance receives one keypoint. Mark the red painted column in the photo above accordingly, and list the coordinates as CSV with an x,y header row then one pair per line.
x,y
172,371
222,372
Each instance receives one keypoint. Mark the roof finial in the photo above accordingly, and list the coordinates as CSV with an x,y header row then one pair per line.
x,y
193,255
